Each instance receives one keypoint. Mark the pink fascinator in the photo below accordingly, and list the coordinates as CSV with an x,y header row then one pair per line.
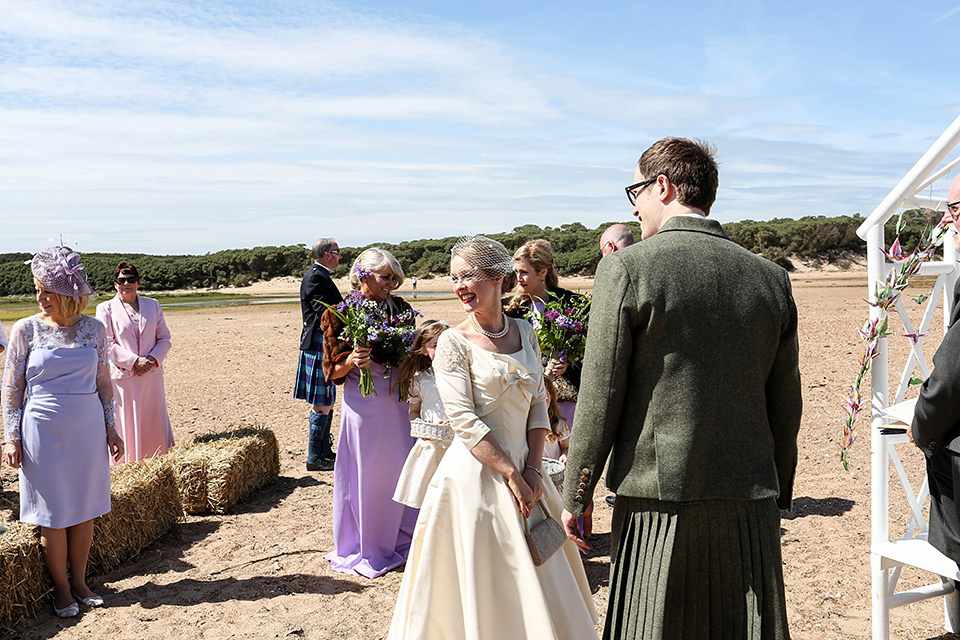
x,y
59,270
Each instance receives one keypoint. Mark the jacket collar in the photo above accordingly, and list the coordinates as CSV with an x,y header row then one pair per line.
x,y
693,223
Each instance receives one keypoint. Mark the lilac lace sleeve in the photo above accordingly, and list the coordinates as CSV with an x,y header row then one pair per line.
x,y
15,380
104,384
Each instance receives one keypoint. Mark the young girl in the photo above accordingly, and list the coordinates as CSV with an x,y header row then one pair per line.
x,y
558,440
428,422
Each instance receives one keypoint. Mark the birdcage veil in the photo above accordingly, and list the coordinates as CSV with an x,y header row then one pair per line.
x,y
489,258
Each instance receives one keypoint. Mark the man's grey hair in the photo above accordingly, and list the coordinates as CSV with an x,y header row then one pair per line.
x,y
321,246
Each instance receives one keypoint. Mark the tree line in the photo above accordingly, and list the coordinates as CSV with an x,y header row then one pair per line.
x,y
818,239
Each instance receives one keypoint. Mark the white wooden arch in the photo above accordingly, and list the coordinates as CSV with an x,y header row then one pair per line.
x,y
889,554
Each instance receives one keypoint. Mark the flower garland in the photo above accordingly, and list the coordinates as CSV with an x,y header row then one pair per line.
x,y
887,294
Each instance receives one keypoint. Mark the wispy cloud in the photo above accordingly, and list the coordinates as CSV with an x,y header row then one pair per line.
x,y
183,127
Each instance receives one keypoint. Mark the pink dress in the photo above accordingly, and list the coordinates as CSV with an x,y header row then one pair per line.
x,y
142,417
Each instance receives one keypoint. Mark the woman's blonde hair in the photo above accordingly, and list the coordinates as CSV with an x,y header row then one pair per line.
x,y
69,306
372,259
539,253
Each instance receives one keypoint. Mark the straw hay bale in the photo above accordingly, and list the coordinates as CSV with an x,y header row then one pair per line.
x,y
190,468
219,469
144,504
24,581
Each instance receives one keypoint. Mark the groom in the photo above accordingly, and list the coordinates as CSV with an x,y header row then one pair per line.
x,y
691,385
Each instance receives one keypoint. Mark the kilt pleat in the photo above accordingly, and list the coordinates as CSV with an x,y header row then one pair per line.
x,y
698,570
310,385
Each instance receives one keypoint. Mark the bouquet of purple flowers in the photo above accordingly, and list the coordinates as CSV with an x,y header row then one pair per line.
x,y
562,328
369,324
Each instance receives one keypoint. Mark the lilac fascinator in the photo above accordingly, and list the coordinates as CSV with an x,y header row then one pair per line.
x,y
59,270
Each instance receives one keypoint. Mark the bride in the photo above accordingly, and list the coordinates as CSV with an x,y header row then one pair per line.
x,y
470,574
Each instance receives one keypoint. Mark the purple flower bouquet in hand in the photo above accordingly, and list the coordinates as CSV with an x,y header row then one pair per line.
x,y
562,328
368,324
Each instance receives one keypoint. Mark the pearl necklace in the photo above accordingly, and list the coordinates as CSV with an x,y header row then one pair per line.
x,y
490,334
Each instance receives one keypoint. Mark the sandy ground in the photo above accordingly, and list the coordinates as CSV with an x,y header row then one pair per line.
x,y
259,571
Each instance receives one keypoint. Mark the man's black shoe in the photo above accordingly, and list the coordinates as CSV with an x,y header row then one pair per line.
x,y
611,500
323,465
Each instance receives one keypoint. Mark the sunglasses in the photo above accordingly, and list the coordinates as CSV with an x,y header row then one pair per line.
x,y
127,280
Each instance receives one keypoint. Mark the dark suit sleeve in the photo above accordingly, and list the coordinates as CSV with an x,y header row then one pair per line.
x,y
938,407
955,311
784,400
609,353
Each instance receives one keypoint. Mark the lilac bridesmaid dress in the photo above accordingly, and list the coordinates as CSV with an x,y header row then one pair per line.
x,y
371,532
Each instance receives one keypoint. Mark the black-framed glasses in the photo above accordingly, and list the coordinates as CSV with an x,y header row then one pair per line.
x,y
634,190
954,207
128,280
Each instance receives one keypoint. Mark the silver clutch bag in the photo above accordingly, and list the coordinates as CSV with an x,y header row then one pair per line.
x,y
430,430
545,538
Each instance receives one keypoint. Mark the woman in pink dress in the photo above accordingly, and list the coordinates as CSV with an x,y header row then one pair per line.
x,y
138,340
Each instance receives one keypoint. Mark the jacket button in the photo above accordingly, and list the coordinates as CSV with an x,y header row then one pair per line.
x,y
585,471
578,499
583,485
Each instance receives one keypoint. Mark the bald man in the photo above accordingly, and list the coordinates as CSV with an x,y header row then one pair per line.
x,y
616,237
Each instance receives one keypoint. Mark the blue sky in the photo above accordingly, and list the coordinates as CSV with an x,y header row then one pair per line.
x,y
186,127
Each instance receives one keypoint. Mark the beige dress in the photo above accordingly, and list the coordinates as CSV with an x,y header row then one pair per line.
x,y
469,574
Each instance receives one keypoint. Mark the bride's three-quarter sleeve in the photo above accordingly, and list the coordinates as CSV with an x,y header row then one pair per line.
x,y
15,381
451,368
104,384
538,418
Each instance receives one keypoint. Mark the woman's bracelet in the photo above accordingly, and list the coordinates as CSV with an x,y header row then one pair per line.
x,y
534,469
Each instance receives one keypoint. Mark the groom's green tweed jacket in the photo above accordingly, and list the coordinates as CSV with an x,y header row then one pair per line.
x,y
691,373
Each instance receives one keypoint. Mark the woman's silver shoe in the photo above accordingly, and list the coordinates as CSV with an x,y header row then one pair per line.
x,y
92,601
69,611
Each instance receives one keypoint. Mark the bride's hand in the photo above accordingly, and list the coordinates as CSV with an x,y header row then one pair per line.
x,y
534,480
522,492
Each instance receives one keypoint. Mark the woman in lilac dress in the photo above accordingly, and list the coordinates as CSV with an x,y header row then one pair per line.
x,y
59,423
371,532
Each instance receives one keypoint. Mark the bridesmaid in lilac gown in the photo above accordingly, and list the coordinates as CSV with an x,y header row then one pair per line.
x,y
371,532
59,422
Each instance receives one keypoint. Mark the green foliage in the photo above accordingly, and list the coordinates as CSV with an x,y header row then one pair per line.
x,y
576,249
236,267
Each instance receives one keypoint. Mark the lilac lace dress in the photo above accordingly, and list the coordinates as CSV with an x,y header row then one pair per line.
x,y
58,401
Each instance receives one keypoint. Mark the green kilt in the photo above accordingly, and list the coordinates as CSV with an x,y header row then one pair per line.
x,y
701,570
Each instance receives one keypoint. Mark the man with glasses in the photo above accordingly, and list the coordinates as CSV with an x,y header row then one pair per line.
x,y
316,289
691,386
617,236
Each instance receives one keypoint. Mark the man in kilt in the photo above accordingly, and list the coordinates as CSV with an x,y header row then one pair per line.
x,y
691,387
316,289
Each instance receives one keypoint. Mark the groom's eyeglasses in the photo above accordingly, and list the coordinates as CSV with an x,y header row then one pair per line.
x,y
634,190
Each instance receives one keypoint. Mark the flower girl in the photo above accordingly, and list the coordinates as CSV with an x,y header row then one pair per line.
x,y
428,422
